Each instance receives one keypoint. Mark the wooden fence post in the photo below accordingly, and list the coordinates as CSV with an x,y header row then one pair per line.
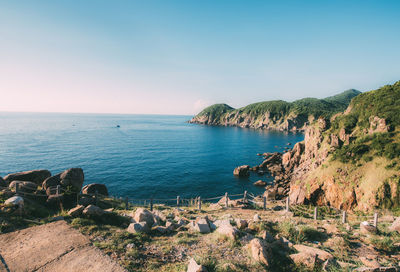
x,y
151,204
199,203
287,204
177,201
344,215
17,188
126,203
265,203
226,200
58,190
315,213
375,219
245,196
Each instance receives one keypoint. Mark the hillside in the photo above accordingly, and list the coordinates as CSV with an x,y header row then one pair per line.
x,y
277,114
351,160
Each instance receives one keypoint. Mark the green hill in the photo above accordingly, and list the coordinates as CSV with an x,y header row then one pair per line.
x,y
275,114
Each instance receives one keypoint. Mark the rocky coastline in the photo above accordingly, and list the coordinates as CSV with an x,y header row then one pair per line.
x,y
239,237
349,161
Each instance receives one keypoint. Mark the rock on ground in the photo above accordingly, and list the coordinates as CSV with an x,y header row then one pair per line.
x,y
396,225
367,228
93,210
200,225
73,177
259,252
228,230
77,211
144,215
194,267
138,227
15,201
36,176
23,186
95,187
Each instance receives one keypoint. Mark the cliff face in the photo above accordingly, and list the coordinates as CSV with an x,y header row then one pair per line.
x,y
352,160
276,115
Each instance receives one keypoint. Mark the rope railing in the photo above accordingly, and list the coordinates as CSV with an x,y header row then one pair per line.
x,y
315,212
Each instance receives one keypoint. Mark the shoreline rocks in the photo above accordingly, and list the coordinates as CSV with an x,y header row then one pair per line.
x,y
242,171
35,176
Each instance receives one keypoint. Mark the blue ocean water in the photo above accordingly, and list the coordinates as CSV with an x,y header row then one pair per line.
x,y
147,156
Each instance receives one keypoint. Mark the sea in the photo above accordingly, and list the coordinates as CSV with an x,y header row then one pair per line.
x,y
139,156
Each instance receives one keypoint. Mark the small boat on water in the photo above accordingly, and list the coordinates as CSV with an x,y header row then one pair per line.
x,y
118,126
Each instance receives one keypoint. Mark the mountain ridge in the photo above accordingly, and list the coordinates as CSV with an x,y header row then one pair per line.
x,y
275,114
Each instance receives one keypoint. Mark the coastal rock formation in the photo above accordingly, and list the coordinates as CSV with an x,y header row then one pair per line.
x,y
348,161
23,186
242,171
95,187
36,176
72,177
260,183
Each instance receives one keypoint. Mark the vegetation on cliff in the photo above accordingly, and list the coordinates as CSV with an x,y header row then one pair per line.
x,y
352,161
275,114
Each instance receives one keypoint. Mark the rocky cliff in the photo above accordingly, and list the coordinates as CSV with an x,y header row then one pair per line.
x,y
349,161
277,115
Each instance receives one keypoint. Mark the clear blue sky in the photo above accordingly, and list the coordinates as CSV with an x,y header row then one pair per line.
x,y
174,57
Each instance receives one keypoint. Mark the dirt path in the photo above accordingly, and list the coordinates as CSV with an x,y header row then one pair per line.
x,y
52,247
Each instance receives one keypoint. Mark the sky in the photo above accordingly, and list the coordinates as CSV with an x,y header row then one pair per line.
x,y
178,56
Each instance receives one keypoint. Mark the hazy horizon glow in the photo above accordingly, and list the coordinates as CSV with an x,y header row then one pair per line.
x,y
176,57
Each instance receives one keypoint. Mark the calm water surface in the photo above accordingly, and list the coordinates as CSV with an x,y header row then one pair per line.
x,y
148,156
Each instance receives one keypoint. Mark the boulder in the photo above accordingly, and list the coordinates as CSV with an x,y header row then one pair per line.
x,y
77,211
194,267
221,222
260,183
15,201
200,225
161,229
140,227
144,215
256,218
55,200
92,210
310,256
242,171
270,193
86,200
228,230
52,181
241,223
73,177
367,228
159,217
36,176
23,186
396,225
260,252
3,183
93,187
